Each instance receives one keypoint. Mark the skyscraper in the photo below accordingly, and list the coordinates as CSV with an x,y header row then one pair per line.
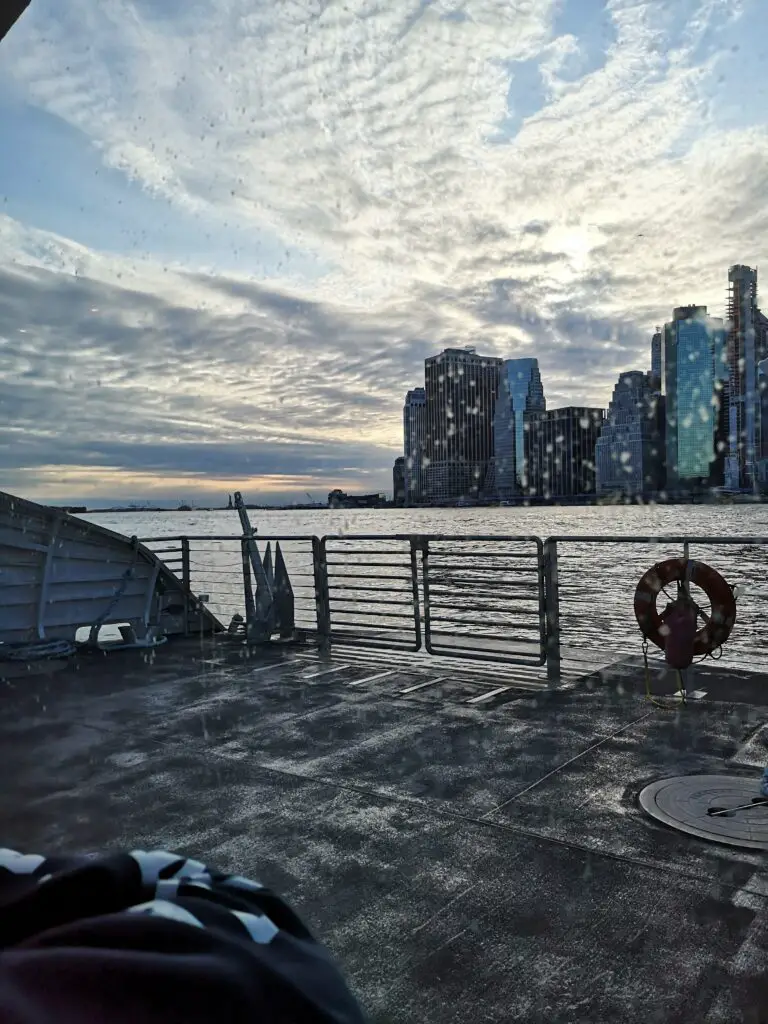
x,y
695,379
520,391
414,444
461,389
629,455
560,451
656,343
747,346
762,388
398,481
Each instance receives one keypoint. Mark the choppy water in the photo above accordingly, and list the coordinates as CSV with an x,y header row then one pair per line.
x,y
597,580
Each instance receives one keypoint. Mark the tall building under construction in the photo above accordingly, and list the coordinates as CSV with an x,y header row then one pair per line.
x,y
747,395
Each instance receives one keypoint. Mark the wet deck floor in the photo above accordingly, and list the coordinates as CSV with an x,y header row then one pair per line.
x,y
465,862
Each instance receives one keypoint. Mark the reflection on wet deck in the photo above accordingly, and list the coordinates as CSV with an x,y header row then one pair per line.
x,y
468,855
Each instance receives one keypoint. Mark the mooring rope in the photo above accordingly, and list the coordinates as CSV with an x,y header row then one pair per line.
x,y
37,650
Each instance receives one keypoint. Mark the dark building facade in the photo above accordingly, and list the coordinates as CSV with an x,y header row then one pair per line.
x,y
398,481
630,450
560,451
461,389
414,445
657,342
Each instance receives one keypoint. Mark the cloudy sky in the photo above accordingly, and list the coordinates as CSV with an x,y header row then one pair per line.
x,y
231,230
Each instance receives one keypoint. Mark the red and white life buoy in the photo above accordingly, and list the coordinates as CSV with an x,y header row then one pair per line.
x,y
716,629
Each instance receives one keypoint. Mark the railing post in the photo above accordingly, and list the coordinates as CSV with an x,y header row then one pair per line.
x,y
552,606
186,579
424,546
417,544
322,595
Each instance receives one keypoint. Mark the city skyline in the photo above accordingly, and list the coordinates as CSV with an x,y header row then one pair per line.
x,y
696,419
414,471
222,273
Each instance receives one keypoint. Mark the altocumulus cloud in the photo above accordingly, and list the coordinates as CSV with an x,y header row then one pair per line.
x,y
127,385
540,177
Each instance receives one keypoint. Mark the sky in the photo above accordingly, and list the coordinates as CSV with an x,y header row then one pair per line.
x,y
231,231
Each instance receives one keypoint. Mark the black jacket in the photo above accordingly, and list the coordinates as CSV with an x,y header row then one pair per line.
x,y
147,938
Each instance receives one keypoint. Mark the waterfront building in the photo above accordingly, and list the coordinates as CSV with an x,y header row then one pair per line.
x,y
629,455
559,446
414,445
520,391
696,388
461,388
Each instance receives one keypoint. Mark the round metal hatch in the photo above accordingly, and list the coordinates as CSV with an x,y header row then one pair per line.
x,y
721,808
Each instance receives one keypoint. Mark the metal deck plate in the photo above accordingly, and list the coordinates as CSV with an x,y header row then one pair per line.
x,y
686,802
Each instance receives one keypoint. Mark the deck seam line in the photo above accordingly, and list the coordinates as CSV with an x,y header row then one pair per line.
x,y
502,826
559,768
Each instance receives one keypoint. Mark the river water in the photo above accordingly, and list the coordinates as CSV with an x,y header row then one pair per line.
x,y
597,580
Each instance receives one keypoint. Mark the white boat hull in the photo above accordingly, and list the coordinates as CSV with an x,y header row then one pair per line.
x,y
59,574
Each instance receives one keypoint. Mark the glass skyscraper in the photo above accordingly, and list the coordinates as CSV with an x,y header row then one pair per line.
x,y
414,444
695,377
520,391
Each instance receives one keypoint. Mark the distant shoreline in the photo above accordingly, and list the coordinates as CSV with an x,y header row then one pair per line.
x,y
532,502
81,510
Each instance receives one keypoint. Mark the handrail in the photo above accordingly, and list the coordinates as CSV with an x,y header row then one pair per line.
x,y
225,536
455,575
656,539
596,538
431,536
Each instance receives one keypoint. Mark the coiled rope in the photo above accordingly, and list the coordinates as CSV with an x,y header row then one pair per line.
x,y
37,650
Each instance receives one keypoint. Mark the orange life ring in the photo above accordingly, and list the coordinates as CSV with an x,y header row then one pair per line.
x,y
722,617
